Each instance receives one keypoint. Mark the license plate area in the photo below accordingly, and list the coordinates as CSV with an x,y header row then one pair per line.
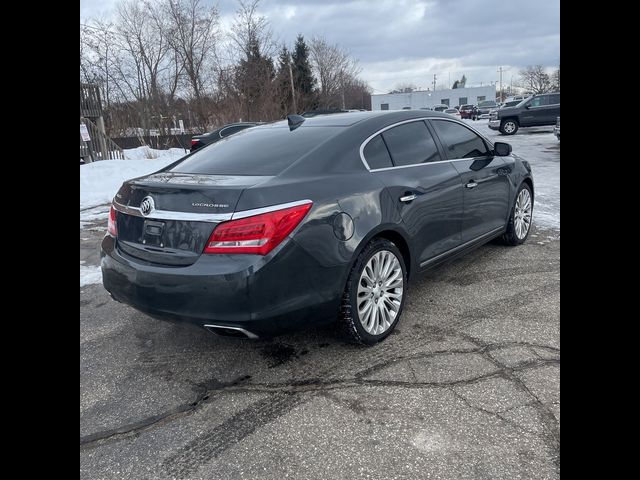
x,y
152,231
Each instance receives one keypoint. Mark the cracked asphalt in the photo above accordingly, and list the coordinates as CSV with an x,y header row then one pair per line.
x,y
467,387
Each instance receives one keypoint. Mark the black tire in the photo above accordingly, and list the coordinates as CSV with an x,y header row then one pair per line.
x,y
510,237
508,130
348,316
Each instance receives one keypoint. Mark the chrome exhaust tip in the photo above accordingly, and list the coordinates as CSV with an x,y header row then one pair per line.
x,y
225,331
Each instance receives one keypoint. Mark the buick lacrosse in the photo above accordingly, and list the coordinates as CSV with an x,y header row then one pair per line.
x,y
311,220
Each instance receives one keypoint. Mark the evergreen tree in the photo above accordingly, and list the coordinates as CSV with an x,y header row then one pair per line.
x,y
455,84
253,77
463,82
284,82
303,80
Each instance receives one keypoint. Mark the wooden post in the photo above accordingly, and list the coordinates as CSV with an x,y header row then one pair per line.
x,y
100,143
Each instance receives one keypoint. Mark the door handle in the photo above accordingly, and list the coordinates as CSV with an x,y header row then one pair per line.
x,y
471,184
408,198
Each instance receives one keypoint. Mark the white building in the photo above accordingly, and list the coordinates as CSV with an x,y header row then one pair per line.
x,y
426,99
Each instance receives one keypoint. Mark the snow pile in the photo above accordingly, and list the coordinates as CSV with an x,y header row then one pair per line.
x,y
94,214
146,153
99,181
89,274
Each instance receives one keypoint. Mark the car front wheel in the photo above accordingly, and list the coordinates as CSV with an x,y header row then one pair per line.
x,y
521,215
509,127
374,295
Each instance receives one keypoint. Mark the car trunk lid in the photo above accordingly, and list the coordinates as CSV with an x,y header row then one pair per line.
x,y
166,218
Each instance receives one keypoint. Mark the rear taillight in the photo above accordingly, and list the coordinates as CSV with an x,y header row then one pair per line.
x,y
193,141
112,229
258,234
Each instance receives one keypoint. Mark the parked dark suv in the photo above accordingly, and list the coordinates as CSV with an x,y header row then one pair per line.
x,y
539,110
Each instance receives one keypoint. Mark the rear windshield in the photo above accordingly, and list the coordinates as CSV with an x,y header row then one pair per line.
x,y
256,151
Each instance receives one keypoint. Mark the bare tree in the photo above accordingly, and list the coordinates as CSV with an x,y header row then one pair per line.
x,y
193,31
254,83
535,80
147,48
98,57
334,68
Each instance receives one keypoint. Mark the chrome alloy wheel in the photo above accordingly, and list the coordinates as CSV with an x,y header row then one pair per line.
x,y
380,292
509,126
522,214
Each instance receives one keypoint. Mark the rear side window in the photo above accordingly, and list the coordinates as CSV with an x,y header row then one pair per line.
x,y
255,151
459,141
411,144
376,154
540,101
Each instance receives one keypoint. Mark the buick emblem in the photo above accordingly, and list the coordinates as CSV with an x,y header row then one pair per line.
x,y
146,206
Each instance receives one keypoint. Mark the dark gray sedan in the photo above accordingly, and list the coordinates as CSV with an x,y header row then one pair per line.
x,y
310,220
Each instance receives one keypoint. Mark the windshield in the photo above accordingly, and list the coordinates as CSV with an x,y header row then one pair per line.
x,y
255,151
522,103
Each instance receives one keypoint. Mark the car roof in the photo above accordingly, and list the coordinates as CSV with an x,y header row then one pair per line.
x,y
352,118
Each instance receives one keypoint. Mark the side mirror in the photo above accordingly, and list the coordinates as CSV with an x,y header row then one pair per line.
x,y
527,106
501,149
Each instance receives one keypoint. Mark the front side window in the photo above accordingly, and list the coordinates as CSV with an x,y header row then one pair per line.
x,y
411,144
540,101
376,154
459,141
554,99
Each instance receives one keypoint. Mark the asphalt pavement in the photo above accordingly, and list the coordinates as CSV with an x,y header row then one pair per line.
x,y
467,387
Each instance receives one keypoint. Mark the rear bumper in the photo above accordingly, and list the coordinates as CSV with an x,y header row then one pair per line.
x,y
285,290
494,124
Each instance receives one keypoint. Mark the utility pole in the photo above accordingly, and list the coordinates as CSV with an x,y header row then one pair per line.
x,y
342,88
500,70
434,82
293,92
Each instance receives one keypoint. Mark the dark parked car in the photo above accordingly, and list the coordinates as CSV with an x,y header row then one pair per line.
x,y
538,110
199,141
467,111
296,223
485,107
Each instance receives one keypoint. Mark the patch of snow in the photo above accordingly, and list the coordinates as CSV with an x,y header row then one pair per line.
x,y
93,214
89,274
100,181
146,153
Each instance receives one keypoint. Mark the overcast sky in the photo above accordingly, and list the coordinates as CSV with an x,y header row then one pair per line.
x,y
408,41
